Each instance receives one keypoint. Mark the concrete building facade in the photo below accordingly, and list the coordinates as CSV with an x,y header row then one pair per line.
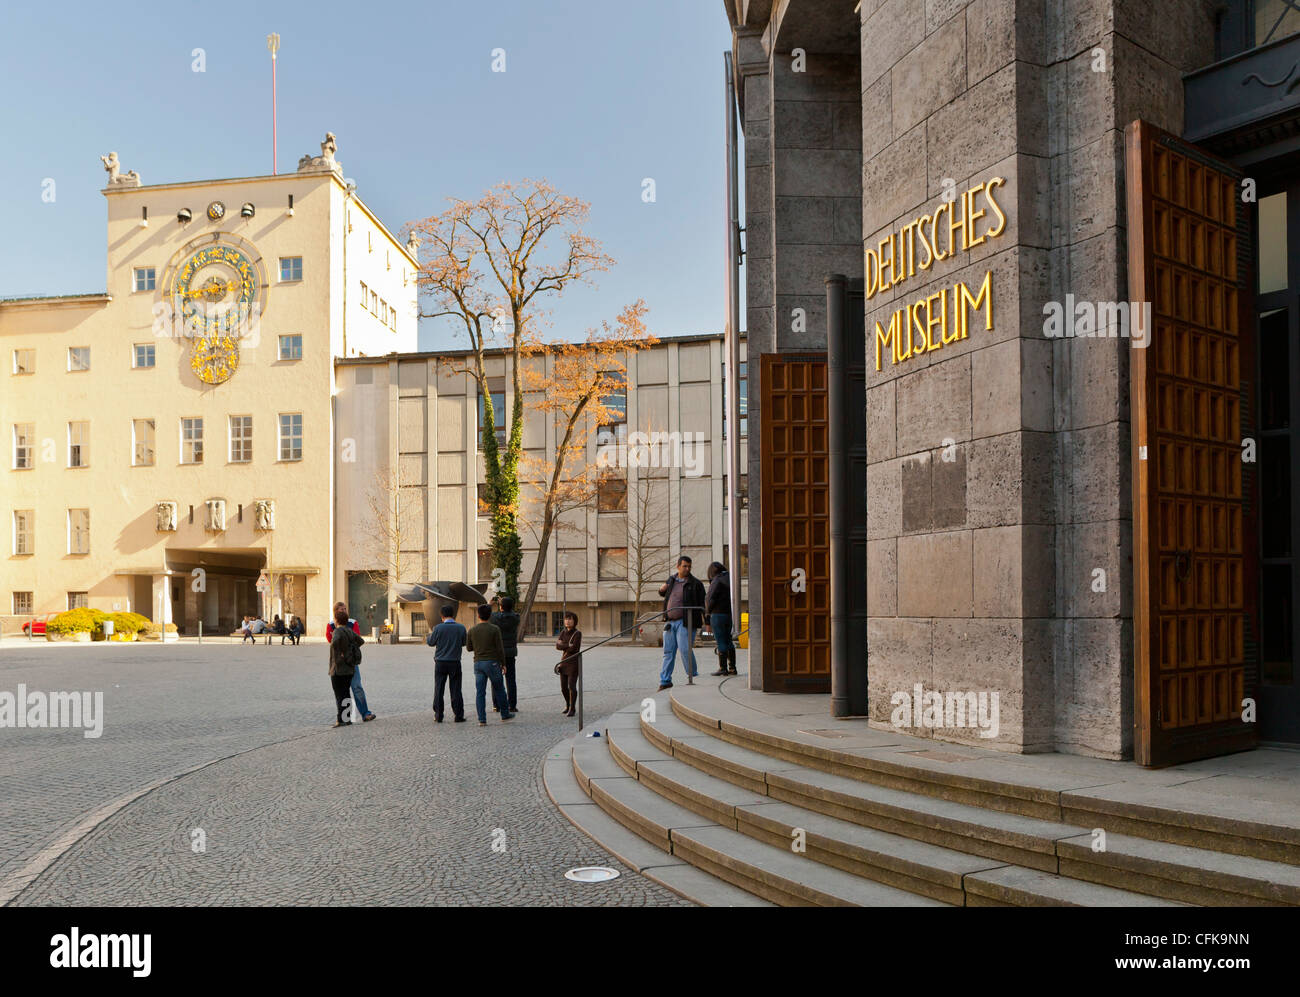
x,y
972,169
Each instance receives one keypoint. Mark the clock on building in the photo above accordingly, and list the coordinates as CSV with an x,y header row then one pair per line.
x,y
217,289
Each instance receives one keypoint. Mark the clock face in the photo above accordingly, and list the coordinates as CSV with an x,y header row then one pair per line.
x,y
216,211
217,292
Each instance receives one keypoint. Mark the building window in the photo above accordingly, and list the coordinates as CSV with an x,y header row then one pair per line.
x,y
78,444
498,417
78,531
291,436
144,278
615,403
611,492
191,441
78,358
626,621
290,268
611,564
24,361
392,319
25,531
142,442
241,439
484,566
144,355
365,295
291,347
23,603
480,492
537,624
743,491
557,622
24,446
743,371
78,600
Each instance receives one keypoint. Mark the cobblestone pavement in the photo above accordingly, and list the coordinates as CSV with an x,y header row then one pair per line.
x,y
398,811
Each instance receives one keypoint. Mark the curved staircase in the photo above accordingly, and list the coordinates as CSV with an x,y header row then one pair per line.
x,y
727,814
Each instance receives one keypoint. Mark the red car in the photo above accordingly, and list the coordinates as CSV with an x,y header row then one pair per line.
x,y
36,627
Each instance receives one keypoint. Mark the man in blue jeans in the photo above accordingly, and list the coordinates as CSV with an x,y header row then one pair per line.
x,y
484,639
684,616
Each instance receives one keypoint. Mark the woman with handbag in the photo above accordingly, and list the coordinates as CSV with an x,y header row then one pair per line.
x,y
570,642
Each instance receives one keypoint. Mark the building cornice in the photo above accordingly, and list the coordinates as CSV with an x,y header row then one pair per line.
x,y
58,301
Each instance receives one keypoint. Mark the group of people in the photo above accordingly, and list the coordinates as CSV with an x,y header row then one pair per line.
x,y
493,640
255,626
688,605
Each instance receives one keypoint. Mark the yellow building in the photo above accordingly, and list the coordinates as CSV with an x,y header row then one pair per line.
x,y
172,438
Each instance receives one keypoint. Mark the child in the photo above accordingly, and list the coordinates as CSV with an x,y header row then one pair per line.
x,y
570,642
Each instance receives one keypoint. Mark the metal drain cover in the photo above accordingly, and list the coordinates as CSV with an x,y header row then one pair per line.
x,y
591,874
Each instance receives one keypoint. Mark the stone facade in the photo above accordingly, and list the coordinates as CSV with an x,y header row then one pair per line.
x,y
999,490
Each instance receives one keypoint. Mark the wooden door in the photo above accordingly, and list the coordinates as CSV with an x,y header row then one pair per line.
x,y
796,523
1193,532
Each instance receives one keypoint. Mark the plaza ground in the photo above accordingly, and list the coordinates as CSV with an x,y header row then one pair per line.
x,y
236,741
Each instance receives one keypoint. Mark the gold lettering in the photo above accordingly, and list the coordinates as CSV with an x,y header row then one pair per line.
x,y
886,338
985,297
1002,219
931,322
883,243
972,215
873,274
915,327
955,336
925,243
955,223
945,206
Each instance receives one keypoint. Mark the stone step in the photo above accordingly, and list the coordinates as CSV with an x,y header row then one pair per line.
x,y
560,780
1174,872
1180,805
1012,886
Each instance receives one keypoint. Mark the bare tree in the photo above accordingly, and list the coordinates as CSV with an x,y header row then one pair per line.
x,y
386,532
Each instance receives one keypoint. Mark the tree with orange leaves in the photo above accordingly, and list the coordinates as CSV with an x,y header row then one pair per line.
x,y
491,263
576,389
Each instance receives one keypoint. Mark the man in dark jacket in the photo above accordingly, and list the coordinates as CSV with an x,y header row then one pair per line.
x,y
345,659
717,607
684,617
446,639
507,621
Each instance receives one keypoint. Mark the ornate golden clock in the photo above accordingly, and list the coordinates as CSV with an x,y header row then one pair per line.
x,y
217,289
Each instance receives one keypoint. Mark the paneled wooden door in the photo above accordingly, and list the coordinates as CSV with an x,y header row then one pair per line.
x,y
1191,384
796,523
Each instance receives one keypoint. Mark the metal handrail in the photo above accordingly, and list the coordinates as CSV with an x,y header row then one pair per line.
x,y
690,643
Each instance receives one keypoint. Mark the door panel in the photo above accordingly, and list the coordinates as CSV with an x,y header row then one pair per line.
x,y
796,523
1191,388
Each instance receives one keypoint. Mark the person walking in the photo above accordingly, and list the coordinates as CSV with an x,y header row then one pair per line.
x,y
717,607
447,639
345,658
507,621
684,615
358,693
570,642
484,639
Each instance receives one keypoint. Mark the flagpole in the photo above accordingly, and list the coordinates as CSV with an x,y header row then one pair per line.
x,y
273,43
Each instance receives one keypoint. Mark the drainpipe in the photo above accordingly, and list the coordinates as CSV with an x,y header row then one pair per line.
x,y
732,348
840,501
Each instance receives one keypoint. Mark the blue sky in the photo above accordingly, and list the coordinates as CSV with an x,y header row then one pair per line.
x,y
596,96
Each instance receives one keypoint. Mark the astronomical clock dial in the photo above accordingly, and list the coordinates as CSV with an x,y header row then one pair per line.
x,y
218,294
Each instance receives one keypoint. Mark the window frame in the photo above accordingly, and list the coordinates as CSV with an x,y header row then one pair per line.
x,y
29,446
293,266
82,444
76,349
280,418
144,275
280,347
603,555
136,441
135,356
31,351
31,603
29,536
72,532
231,438
194,438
